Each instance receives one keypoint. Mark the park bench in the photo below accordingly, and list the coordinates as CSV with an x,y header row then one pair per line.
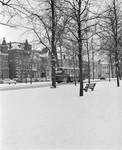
x,y
89,86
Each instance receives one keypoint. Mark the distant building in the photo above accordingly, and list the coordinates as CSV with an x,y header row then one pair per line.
x,y
19,58
25,63
4,66
102,69
45,63
97,69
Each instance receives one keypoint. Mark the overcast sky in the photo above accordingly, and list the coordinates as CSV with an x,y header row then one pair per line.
x,y
9,34
16,34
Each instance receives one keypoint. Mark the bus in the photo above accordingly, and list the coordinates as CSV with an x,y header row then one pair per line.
x,y
67,74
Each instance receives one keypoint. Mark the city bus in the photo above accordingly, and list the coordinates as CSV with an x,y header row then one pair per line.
x,y
67,74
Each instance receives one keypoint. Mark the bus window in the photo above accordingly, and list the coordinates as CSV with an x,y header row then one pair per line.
x,y
67,74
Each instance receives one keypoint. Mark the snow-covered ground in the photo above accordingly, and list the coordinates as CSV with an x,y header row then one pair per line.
x,y
23,85
47,118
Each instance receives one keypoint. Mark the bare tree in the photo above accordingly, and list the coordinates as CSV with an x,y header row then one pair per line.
x,y
111,32
42,18
78,10
49,23
49,19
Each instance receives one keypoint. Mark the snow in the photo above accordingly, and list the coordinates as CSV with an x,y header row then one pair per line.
x,y
28,85
47,118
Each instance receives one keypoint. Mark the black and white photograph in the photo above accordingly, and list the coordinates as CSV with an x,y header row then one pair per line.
x,y
60,74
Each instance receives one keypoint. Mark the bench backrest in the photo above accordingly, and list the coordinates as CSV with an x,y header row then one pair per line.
x,y
92,84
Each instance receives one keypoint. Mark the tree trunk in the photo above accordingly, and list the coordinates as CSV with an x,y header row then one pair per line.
x,y
88,63
80,51
61,53
116,44
74,69
109,73
111,66
57,63
93,61
81,72
31,69
53,56
117,74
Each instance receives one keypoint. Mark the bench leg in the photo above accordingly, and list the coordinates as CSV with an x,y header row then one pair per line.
x,y
85,90
92,89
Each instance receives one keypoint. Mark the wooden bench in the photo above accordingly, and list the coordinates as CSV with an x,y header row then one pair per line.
x,y
89,86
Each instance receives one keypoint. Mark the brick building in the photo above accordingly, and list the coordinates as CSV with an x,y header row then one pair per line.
x,y
19,60
25,63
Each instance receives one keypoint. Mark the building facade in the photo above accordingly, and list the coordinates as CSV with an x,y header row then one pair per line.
x,y
19,58
25,63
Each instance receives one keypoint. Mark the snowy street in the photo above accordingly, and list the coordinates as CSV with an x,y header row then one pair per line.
x,y
47,118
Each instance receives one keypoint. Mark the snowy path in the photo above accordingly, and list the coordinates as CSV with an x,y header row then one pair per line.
x,y
45,118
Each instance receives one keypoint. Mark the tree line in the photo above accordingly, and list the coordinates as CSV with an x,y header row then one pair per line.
x,y
82,27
